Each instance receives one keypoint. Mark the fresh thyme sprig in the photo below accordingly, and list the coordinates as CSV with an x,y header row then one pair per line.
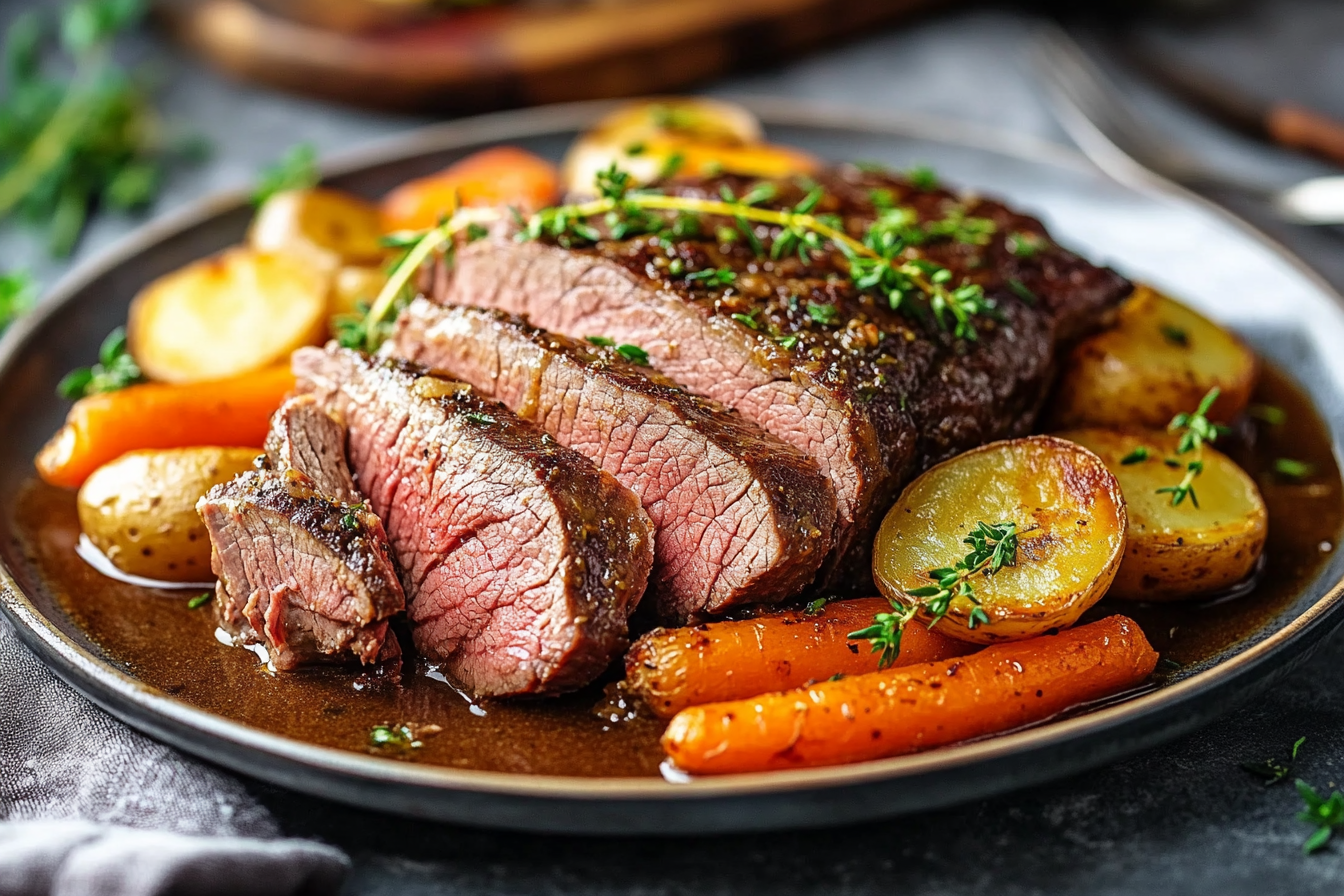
x,y
993,546
1196,429
296,170
884,261
1326,813
1274,770
115,370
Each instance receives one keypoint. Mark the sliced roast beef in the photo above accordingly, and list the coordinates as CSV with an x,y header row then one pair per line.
x,y
303,564
873,394
740,516
522,561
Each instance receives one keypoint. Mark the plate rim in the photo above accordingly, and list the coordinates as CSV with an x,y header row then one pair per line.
x,y
106,685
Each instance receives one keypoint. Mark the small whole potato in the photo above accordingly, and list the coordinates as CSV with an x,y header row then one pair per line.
x,y
1186,550
140,509
1159,359
327,227
1070,523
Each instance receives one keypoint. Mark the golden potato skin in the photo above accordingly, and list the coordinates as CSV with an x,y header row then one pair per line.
x,y
1070,517
223,316
328,227
140,509
1159,359
353,285
1175,553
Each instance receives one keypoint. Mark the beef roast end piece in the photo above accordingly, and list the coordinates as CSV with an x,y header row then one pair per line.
x,y
307,577
522,561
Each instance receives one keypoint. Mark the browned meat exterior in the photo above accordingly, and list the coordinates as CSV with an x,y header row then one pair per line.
x,y
872,395
306,574
304,437
740,516
522,561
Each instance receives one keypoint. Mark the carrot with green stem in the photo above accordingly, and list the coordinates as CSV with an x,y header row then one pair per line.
x,y
102,427
913,708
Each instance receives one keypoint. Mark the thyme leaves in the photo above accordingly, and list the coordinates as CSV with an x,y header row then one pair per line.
x,y
993,546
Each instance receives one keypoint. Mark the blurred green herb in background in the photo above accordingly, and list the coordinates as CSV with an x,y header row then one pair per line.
x,y
17,293
296,170
77,131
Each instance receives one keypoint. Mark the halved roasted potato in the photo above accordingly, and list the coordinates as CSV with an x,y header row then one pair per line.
x,y
689,135
1070,525
1159,359
140,510
328,227
1203,545
222,316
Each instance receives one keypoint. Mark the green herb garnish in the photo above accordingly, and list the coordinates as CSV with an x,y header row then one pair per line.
x,y
993,546
1175,335
116,369
713,277
296,170
1274,770
748,320
1025,244
1138,455
1268,413
479,418
787,341
1326,813
815,606
922,177
1296,470
633,354
1196,429
823,313
604,341
17,293
199,601
1021,290
81,132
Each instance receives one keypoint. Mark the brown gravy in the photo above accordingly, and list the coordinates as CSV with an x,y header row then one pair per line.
x,y
153,635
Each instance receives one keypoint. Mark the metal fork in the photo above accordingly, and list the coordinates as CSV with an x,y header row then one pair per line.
x,y
1106,127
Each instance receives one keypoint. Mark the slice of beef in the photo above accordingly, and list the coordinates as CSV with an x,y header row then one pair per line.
x,y
303,564
873,395
306,438
522,560
739,515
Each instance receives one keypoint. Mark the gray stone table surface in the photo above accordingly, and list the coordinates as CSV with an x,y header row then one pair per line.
x,y
1179,819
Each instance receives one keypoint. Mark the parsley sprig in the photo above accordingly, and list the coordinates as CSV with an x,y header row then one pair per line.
x,y
1196,430
993,546
116,369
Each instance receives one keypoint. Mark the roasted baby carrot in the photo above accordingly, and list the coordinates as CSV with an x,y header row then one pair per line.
x,y
101,428
671,669
903,710
503,175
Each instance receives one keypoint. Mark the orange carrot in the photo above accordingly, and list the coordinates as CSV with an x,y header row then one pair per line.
x,y
903,710
503,175
101,428
671,669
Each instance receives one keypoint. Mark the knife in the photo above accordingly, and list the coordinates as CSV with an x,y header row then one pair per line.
x,y
1284,123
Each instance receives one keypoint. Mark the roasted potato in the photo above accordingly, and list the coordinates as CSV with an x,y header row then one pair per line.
x,y
1159,359
353,285
140,509
1196,548
1070,522
702,134
237,311
329,228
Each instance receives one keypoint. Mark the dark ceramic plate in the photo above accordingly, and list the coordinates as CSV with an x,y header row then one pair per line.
x,y
1155,233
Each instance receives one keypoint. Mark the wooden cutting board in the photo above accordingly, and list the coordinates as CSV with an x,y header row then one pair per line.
x,y
517,55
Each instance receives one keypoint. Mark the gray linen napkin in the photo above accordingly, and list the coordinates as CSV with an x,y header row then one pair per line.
x,y
90,806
